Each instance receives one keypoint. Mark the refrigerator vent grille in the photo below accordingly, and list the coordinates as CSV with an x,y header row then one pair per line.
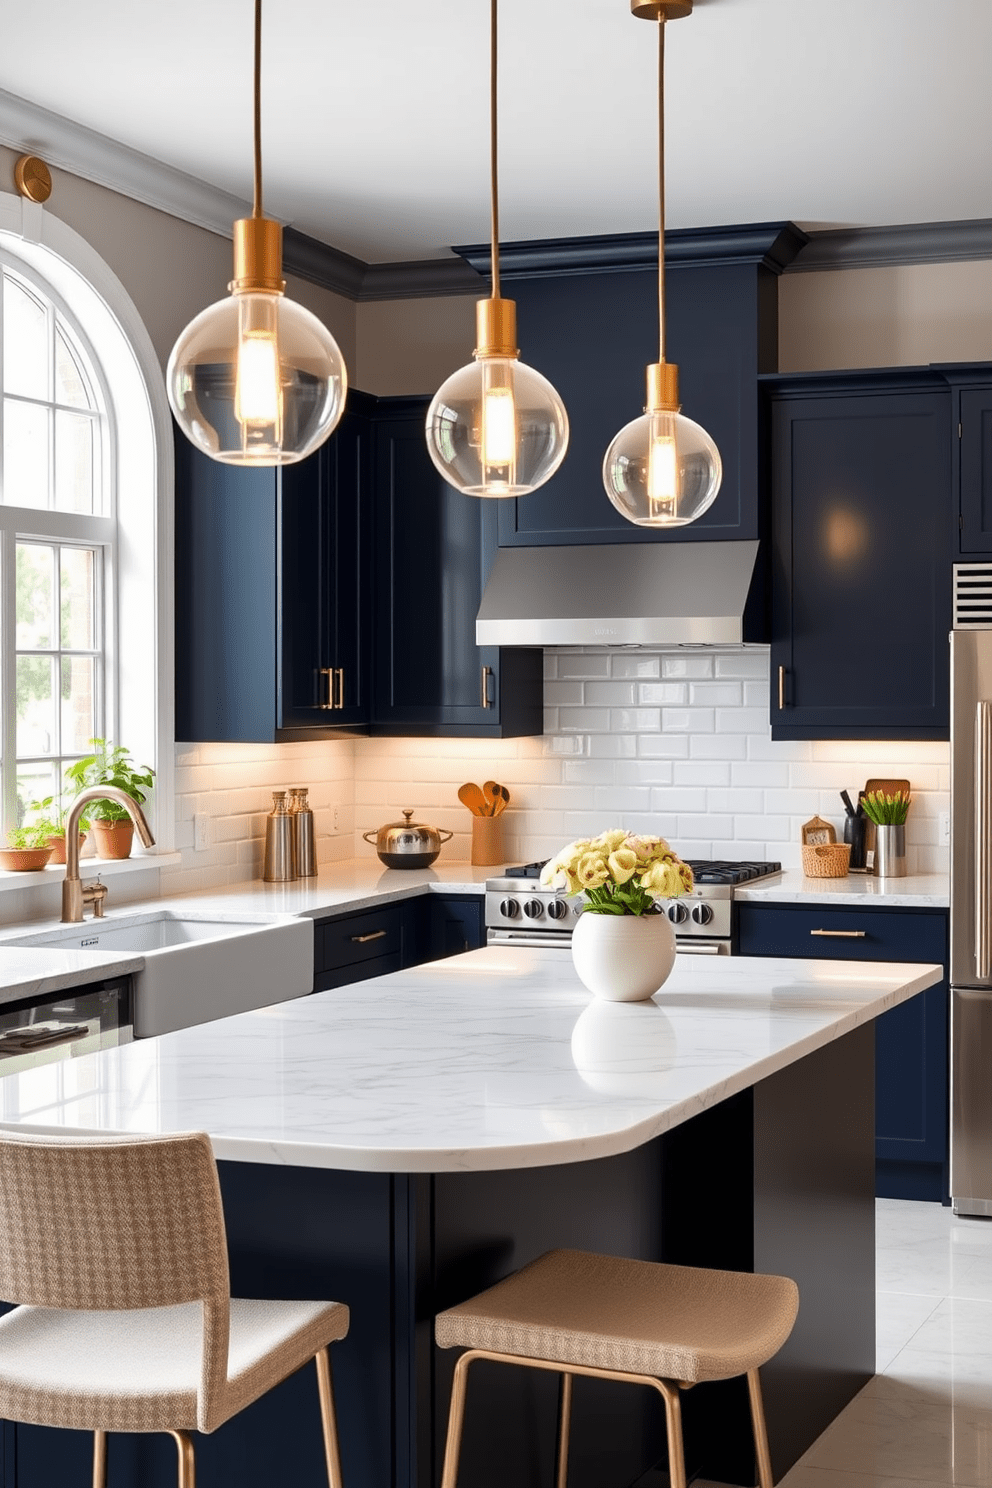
x,y
973,596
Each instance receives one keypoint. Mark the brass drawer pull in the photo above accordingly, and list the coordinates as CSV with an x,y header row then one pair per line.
x,y
373,935
486,674
841,934
339,678
327,672
781,689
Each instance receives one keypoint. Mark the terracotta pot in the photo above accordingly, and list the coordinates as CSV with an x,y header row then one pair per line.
x,y
623,958
112,839
57,844
24,859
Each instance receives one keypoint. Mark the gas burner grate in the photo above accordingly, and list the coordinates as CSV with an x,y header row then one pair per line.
x,y
717,871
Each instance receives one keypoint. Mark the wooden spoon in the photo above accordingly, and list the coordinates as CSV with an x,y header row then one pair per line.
x,y
497,797
471,796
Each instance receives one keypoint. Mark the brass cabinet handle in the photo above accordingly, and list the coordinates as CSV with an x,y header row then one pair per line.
x,y
781,689
841,934
486,674
329,674
372,935
339,678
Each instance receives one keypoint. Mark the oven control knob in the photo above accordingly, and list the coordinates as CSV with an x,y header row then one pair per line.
x,y
533,909
557,909
702,914
678,914
509,908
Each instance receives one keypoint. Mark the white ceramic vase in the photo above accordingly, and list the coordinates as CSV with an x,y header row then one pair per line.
x,y
623,958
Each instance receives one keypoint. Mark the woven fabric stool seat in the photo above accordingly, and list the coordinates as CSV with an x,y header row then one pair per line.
x,y
666,1326
115,1250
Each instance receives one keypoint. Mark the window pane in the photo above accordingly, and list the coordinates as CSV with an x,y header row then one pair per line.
x,y
73,462
36,706
71,385
36,779
25,343
78,703
25,454
77,599
35,596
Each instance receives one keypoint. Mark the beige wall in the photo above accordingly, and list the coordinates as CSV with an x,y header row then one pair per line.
x,y
171,269
885,317
411,346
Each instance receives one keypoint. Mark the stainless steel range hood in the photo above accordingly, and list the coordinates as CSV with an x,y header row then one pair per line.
x,y
625,594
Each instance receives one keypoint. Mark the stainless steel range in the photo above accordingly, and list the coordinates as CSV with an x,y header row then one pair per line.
x,y
520,911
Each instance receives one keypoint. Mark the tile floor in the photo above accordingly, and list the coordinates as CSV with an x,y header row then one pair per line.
x,y
926,1417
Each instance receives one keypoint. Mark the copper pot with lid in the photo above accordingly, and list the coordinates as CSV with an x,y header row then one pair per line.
x,y
407,844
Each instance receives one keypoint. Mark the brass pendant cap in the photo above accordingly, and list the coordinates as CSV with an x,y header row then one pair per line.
x,y
496,328
661,10
33,179
663,388
257,256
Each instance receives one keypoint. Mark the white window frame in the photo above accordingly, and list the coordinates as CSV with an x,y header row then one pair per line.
x,y
139,700
49,525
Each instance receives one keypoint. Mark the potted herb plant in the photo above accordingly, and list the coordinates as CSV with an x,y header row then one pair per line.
x,y
29,849
52,812
111,764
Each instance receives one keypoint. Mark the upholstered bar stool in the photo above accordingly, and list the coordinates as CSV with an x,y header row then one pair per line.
x,y
670,1327
115,1250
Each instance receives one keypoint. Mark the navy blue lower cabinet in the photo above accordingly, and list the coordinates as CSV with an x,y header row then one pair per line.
x,y
433,551
863,534
371,942
911,1041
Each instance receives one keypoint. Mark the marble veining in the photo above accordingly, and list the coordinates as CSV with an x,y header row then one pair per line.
x,y
494,1059
863,890
33,971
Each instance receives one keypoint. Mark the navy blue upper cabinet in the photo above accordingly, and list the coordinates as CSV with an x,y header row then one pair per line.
x,y
974,409
433,551
588,320
272,635
862,524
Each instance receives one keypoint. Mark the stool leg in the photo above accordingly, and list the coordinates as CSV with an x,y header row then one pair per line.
x,y
99,1459
564,1422
673,1428
765,1479
328,1418
187,1462
456,1416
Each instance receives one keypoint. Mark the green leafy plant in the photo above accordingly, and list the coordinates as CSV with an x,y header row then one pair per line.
x,y
886,810
34,836
52,813
110,764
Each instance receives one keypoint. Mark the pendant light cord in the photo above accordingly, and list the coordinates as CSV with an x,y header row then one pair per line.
x,y
661,187
493,175
256,210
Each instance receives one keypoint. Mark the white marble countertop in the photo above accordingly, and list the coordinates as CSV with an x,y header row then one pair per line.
x,y
37,972
915,891
495,1059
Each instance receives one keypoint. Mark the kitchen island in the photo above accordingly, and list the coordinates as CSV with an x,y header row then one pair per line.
x,y
402,1143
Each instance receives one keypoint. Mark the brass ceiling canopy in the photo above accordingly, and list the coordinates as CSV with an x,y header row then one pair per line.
x,y
33,179
657,10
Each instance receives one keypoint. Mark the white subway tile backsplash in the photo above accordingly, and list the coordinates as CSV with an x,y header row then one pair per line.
x,y
664,742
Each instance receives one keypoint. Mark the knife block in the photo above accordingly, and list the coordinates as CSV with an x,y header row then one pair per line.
x,y
487,841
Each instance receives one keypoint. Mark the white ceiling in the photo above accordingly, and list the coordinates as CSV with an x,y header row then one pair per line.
x,y
375,115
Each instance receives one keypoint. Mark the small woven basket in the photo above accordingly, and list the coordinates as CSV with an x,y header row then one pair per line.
x,y
827,860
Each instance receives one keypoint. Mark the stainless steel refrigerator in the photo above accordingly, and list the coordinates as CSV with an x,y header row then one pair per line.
x,y
971,921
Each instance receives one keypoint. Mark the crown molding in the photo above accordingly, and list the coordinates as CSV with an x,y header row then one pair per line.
x,y
910,243
83,152
773,245
338,271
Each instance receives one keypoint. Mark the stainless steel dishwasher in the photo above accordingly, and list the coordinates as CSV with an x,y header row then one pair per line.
x,y
63,1025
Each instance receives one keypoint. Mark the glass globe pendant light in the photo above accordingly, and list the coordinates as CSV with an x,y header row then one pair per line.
x,y
496,427
256,379
662,470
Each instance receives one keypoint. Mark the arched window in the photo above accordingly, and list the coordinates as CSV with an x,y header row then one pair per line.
x,y
86,555
58,540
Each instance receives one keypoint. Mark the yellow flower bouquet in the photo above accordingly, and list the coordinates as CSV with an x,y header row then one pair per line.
x,y
619,873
